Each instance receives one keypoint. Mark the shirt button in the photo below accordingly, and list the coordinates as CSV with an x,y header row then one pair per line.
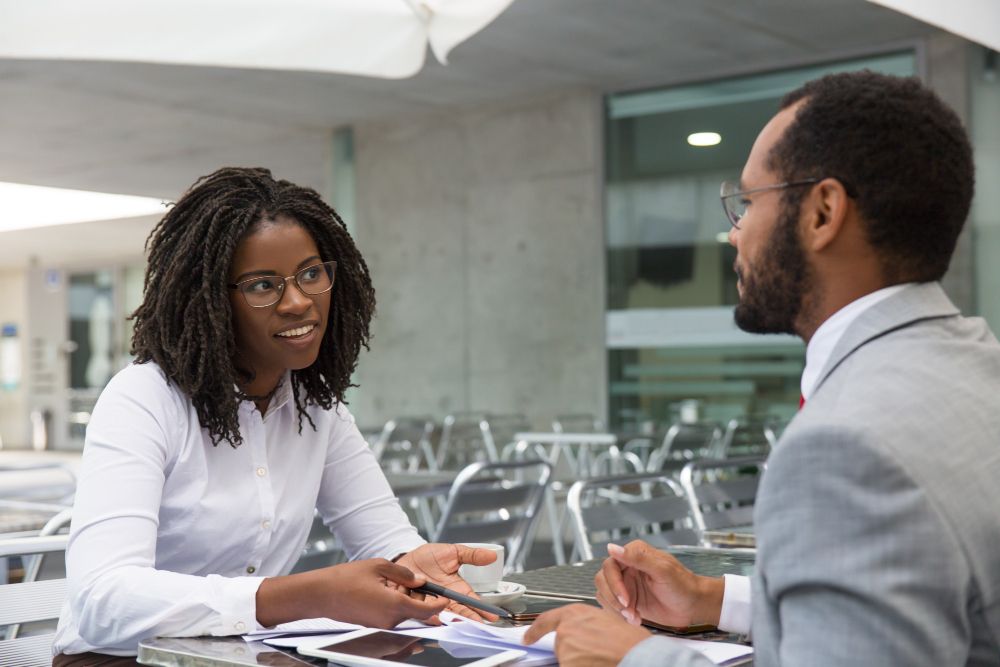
x,y
240,626
265,524
261,471
251,569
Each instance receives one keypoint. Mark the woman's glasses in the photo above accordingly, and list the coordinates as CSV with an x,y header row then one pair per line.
x,y
266,290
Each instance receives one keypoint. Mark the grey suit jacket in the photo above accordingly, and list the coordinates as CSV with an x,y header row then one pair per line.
x,y
878,519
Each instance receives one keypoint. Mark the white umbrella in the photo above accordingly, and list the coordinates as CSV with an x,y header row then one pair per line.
x,y
382,38
976,20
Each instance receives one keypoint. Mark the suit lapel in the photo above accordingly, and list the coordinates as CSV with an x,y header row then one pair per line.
x,y
915,303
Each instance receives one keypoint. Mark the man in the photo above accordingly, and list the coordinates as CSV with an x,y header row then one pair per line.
x,y
878,519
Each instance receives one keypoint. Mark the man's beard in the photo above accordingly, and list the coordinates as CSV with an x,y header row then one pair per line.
x,y
771,301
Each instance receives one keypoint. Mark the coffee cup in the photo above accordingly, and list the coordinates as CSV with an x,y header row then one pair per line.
x,y
484,578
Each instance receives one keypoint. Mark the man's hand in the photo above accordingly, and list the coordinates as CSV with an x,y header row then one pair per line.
x,y
586,635
371,592
638,581
440,562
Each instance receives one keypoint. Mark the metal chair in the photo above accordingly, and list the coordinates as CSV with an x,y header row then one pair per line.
x,y
498,503
610,509
30,602
721,492
500,431
405,445
462,441
749,436
686,441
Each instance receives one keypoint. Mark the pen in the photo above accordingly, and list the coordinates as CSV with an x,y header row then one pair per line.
x,y
433,589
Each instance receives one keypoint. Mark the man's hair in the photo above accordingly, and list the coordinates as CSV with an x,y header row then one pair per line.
x,y
185,322
901,154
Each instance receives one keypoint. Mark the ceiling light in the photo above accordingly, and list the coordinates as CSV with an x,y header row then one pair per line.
x,y
28,206
704,138
722,237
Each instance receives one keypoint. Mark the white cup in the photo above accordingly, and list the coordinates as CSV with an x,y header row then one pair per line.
x,y
484,578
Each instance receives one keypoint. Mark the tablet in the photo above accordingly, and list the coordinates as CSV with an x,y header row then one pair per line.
x,y
380,648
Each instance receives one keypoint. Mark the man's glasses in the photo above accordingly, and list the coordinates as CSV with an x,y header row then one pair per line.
x,y
264,291
734,201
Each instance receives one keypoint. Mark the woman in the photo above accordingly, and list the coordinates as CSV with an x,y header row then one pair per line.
x,y
205,458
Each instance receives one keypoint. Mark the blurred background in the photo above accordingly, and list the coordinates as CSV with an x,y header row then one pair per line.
x,y
540,215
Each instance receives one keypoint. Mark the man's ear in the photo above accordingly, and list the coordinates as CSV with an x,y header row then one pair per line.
x,y
824,211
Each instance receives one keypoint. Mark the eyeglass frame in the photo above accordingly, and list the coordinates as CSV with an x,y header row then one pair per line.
x,y
284,281
778,186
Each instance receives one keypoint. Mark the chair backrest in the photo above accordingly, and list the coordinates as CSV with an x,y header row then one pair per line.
x,y
686,441
497,503
499,432
577,423
749,436
650,506
30,602
405,445
721,492
462,441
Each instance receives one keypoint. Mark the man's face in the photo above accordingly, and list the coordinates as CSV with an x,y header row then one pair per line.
x,y
771,267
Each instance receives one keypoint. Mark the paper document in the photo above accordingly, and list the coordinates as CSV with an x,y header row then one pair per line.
x,y
471,631
314,626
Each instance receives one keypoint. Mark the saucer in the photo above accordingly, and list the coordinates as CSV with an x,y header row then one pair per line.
x,y
508,591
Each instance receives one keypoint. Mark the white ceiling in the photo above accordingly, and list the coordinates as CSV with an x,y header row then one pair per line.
x,y
151,129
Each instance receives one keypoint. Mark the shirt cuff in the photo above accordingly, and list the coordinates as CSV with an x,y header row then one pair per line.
x,y
236,604
736,607
652,651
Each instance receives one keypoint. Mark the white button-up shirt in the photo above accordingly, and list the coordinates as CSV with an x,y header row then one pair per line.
x,y
166,527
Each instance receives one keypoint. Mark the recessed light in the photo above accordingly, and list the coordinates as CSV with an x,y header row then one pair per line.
x,y
27,206
722,237
704,139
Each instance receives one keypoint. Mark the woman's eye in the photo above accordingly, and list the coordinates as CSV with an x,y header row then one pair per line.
x,y
310,274
262,285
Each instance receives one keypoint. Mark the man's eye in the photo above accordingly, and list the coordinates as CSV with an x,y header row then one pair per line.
x,y
258,286
744,202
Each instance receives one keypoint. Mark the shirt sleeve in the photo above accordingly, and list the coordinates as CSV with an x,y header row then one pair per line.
x,y
736,607
659,651
115,592
355,499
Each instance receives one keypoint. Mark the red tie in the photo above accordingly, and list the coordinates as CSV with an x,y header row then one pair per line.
x,y
802,401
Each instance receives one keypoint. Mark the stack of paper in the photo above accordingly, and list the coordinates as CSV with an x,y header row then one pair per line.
x,y
458,630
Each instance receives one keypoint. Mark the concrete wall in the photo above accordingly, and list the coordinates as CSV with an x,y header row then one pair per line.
x,y
483,230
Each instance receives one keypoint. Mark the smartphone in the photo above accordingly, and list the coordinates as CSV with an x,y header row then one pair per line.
x,y
380,648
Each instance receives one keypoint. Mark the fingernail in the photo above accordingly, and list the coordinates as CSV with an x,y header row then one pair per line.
x,y
623,600
627,615
616,550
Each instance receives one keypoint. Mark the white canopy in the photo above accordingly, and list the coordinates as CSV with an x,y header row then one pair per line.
x,y
381,38
975,20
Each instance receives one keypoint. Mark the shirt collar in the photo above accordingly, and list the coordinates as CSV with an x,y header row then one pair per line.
x,y
282,395
830,332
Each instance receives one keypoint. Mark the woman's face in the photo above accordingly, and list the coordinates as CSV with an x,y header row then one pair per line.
x,y
288,334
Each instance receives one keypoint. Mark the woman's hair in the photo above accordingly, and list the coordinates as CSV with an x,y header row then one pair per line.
x,y
185,322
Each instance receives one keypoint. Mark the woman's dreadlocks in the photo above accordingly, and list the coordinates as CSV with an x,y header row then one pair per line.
x,y
185,322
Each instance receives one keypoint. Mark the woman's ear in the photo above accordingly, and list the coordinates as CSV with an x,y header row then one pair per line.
x,y
824,212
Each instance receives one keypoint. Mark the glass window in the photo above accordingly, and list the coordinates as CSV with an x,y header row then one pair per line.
x,y
671,287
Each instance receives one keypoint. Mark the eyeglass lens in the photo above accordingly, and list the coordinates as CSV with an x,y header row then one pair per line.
x,y
732,203
267,290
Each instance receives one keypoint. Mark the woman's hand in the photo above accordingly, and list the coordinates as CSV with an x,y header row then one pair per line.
x,y
373,593
440,562
640,582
